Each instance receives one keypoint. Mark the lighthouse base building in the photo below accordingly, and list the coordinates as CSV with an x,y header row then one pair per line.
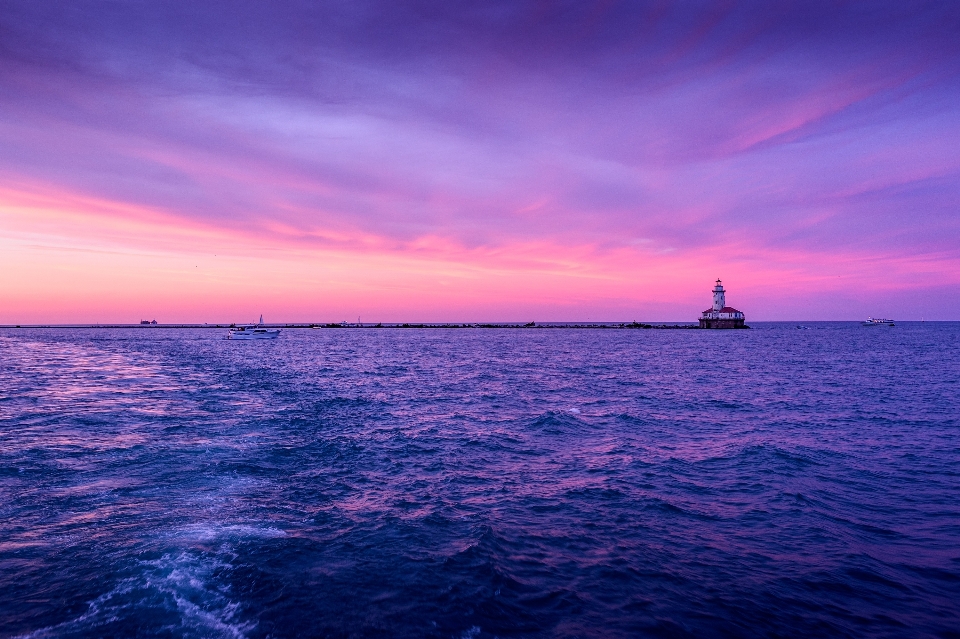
x,y
721,315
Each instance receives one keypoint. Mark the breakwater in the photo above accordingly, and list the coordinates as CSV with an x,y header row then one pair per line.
x,y
317,325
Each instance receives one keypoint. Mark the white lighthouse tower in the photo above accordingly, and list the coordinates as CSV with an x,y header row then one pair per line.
x,y
721,315
719,299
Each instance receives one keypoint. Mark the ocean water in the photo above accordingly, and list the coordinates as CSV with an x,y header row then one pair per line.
x,y
475,483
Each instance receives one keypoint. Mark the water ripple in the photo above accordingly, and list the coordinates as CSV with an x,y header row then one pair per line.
x,y
476,484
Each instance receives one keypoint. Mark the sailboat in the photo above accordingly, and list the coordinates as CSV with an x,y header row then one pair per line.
x,y
252,331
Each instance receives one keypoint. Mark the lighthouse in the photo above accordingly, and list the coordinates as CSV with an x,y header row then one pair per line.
x,y
721,315
719,297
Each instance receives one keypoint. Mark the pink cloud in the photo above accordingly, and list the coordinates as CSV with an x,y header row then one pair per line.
x,y
609,163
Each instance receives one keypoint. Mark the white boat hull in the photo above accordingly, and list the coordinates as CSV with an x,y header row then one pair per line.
x,y
257,333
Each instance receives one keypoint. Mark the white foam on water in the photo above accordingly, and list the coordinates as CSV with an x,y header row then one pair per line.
x,y
183,584
216,532
470,633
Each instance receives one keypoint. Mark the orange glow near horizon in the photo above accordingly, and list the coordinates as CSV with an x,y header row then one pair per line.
x,y
79,260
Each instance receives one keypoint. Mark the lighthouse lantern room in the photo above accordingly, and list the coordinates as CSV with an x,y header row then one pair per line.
x,y
721,315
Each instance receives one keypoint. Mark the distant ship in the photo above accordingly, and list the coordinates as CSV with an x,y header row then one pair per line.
x,y
870,321
253,332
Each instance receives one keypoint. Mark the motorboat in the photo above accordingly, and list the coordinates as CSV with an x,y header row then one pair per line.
x,y
873,321
254,331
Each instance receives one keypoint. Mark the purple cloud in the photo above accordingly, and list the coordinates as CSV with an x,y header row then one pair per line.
x,y
817,130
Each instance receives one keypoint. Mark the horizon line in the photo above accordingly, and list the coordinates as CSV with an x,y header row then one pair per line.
x,y
485,324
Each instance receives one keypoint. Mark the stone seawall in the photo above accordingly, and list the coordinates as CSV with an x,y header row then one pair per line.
x,y
722,323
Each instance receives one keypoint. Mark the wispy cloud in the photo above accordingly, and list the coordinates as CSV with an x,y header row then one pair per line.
x,y
618,143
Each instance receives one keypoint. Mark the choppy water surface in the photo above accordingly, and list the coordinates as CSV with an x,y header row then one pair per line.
x,y
480,483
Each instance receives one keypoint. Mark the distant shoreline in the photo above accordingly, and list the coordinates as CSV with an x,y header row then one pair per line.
x,y
438,325
403,325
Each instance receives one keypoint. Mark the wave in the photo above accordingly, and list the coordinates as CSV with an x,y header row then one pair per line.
x,y
179,593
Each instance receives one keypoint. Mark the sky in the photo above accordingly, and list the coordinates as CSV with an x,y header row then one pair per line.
x,y
478,161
